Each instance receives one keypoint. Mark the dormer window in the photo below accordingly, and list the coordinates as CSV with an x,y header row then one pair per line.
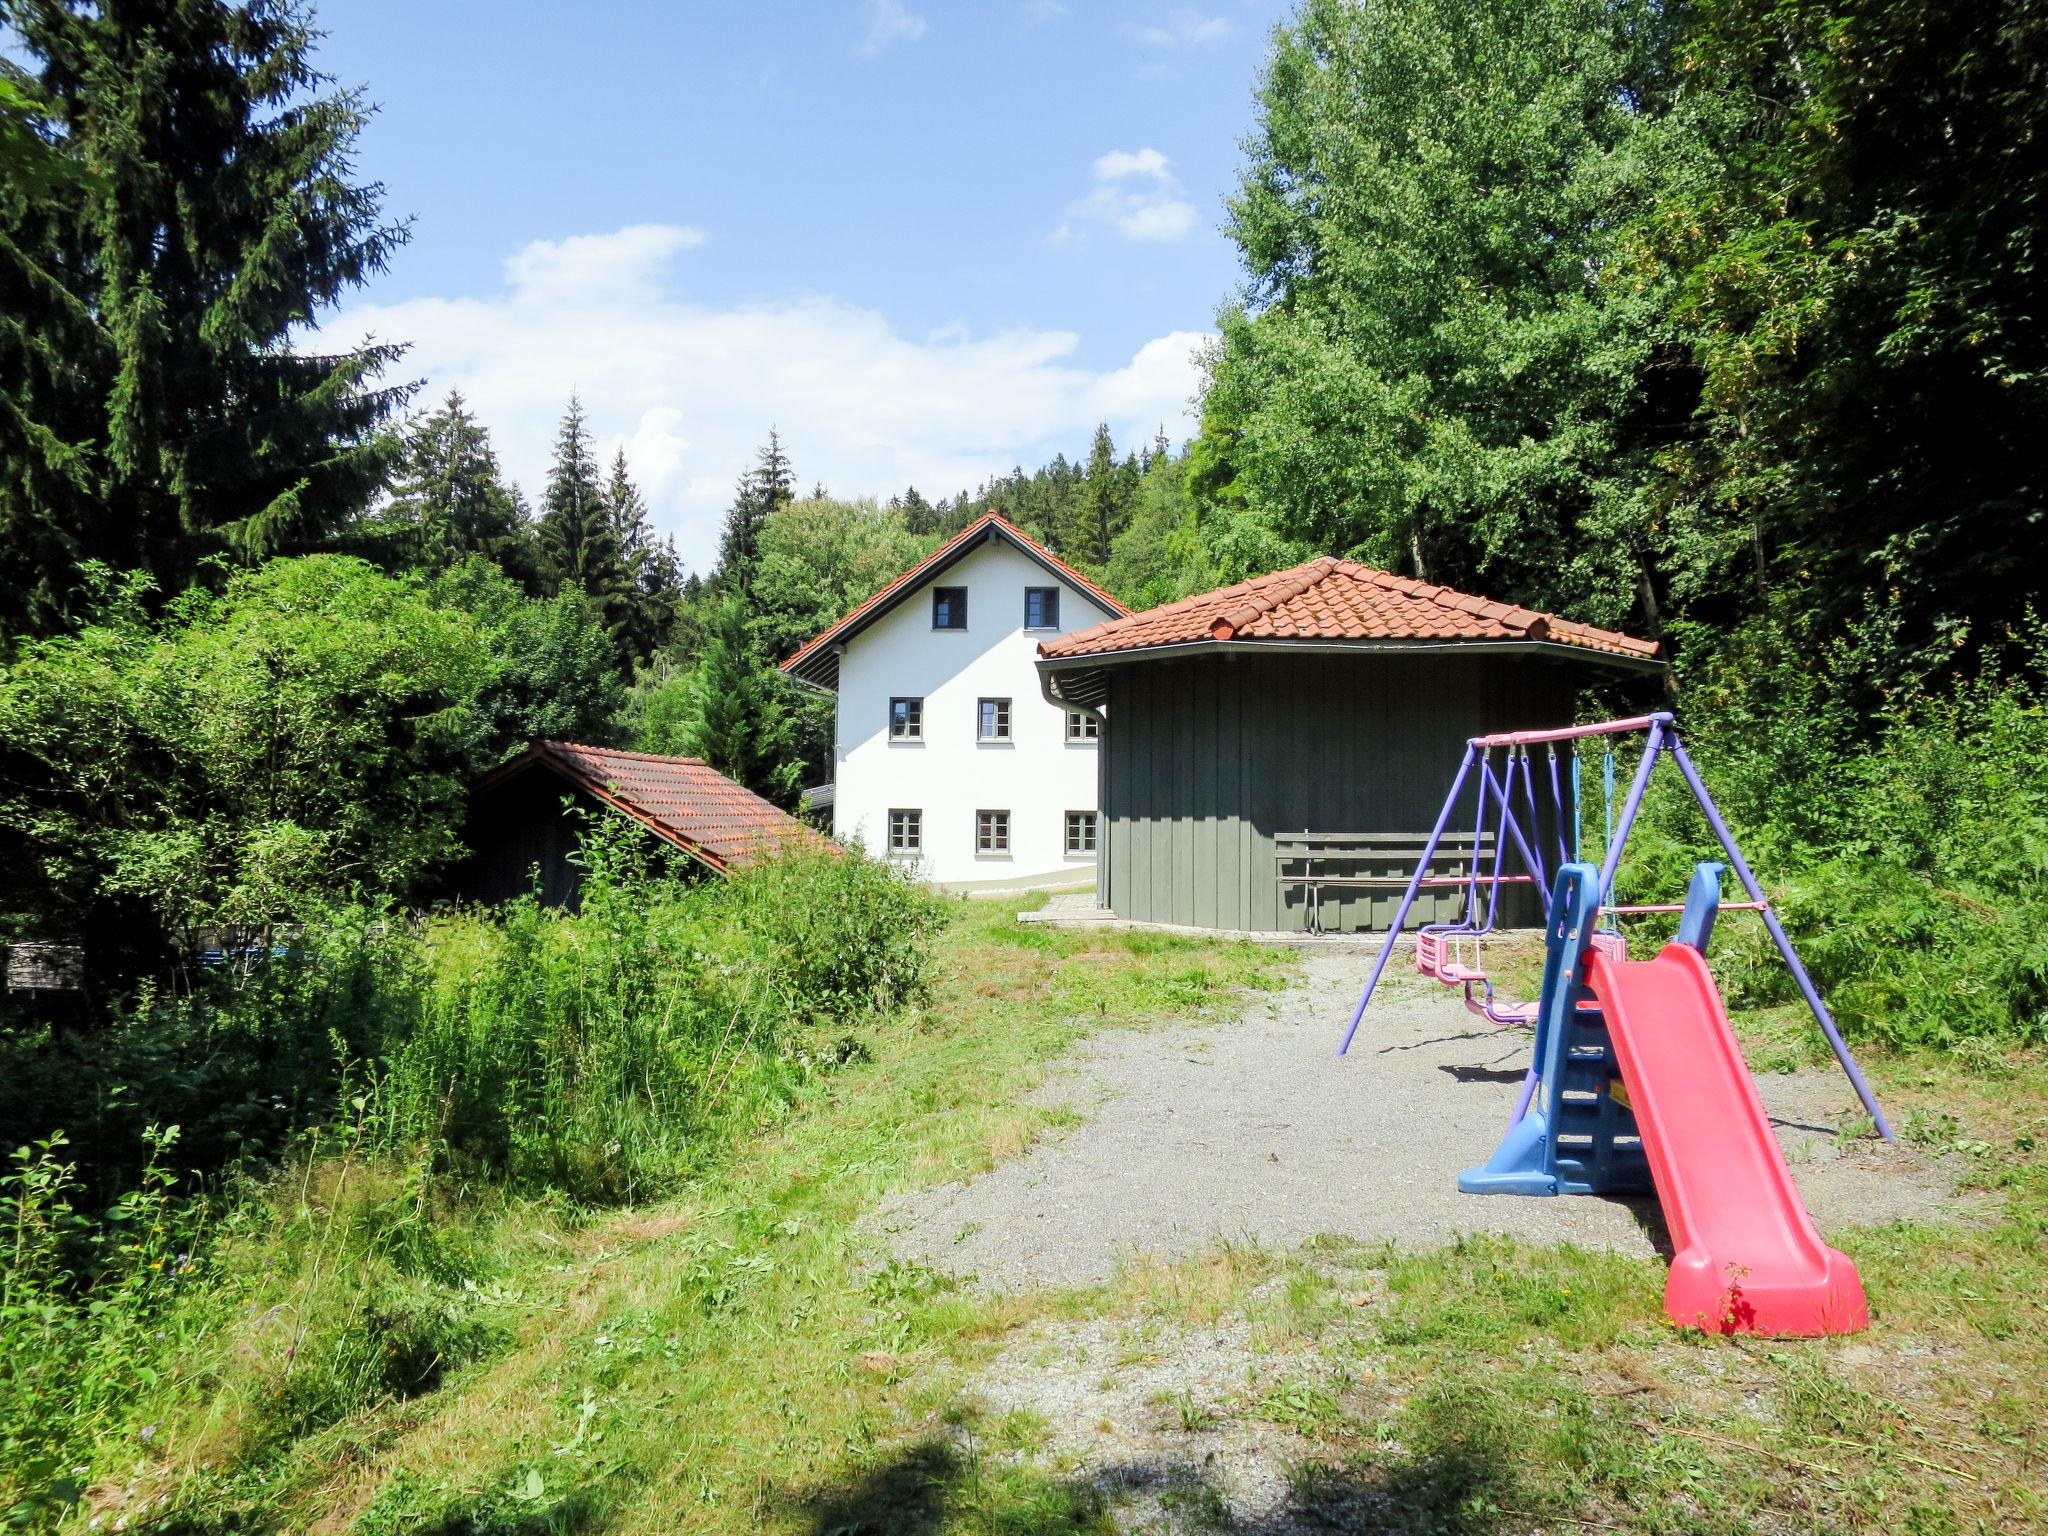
x,y
1041,607
949,607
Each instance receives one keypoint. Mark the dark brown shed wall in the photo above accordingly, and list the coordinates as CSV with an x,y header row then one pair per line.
x,y
1205,759
514,826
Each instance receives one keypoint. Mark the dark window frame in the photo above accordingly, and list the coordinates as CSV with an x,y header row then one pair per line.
x,y
1049,609
953,601
913,716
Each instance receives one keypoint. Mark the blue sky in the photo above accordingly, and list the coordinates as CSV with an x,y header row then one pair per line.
x,y
926,240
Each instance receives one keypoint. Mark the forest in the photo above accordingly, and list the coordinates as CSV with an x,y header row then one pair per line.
x,y
1719,322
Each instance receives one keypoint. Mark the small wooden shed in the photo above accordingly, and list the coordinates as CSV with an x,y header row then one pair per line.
x,y
1325,705
520,817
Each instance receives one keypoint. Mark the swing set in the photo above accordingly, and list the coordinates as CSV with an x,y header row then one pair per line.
x,y
1454,952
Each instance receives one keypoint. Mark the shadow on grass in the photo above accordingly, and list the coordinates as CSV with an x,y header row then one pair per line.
x,y
934,1486
581,1512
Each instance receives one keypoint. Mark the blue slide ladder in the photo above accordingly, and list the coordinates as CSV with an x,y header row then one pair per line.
x,y
1579,1136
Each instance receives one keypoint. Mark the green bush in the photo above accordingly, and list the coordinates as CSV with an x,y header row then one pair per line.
x,y
596,1053
242,1059
1907,854
84,1310
599,1055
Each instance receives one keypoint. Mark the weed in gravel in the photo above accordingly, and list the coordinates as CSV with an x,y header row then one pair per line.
x,y
1309,1408
1189,1412
1022,1431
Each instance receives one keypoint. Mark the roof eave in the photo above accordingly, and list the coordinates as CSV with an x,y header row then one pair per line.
x,y
1552,649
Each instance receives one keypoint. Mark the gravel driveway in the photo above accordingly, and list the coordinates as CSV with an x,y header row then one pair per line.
x,y
1251,1128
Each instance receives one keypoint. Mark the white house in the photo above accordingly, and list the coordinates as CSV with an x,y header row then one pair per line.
x,y
947,756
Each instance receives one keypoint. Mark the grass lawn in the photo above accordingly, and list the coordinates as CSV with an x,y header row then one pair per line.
x,y
745,1358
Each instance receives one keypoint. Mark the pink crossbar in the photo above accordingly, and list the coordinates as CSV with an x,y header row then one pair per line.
x,y
1565,733
1679,906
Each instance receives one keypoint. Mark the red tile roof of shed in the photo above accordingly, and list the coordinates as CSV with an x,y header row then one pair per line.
x,y
1328,599
939,558
683,800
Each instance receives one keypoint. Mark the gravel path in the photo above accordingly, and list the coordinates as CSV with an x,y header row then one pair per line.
x,y
1250,1128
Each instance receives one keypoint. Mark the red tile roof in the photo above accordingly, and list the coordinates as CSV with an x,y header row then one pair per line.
x,y
938,560
1337,600
683,800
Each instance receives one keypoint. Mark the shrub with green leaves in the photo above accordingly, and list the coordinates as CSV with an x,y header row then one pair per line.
x,y
1911,870
305,732
84,1305
598,1052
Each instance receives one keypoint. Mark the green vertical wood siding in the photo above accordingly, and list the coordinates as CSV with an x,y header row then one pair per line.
x,y
1206,759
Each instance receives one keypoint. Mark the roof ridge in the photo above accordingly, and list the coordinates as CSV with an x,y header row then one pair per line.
x,y
1529,620
644,757
907,578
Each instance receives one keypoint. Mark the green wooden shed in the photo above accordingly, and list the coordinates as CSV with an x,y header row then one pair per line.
x,y
1273,753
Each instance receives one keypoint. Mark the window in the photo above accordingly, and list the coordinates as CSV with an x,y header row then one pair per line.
x,y
949,607
991,831
906,831
1082,727
906,719
1041,607
1080,832
995,720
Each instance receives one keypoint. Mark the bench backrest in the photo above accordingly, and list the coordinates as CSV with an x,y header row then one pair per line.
x,y
1376,847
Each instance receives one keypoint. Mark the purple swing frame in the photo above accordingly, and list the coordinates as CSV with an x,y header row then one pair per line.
x,y
1663,738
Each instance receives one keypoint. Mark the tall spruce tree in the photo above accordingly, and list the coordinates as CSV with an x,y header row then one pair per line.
x,y
919,515
743,728
1102,507
579,545
155,411
768,485
652,588
451,501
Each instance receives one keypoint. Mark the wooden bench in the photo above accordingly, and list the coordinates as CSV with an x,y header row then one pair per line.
x,y
1367,861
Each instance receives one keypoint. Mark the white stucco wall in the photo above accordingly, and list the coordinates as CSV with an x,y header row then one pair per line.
x,y
1037,776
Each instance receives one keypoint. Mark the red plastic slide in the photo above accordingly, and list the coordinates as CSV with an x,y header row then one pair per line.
x,y
1748,1259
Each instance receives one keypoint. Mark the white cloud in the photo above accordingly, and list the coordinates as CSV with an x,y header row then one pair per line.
x,y
690,389
1043,12
1184,29
889,22
1135,193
